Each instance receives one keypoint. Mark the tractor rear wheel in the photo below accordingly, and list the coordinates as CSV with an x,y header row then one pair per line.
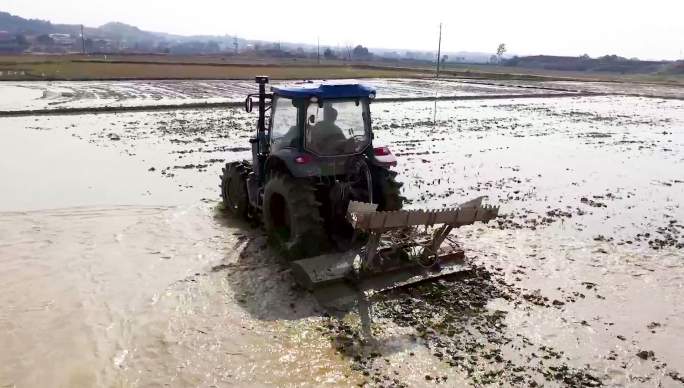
x,y
292,217
234,189
387,192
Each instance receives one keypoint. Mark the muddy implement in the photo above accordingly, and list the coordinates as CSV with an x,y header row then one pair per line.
x,y
397,253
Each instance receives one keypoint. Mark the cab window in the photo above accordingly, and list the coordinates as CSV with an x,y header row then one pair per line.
x,y
283,124
336,127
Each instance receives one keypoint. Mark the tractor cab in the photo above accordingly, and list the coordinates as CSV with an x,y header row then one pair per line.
x,y
313,130
325,120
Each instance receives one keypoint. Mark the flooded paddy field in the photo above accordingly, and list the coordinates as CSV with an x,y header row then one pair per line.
x,y
674,91
118,270
15,96
60,95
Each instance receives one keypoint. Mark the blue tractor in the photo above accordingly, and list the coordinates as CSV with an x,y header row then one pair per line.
x,y
315,178
312,154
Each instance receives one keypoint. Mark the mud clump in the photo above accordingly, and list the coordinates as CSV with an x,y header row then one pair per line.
x,y
676,377
592,203
572,378
528,219
536,299
200,167
671,235
646,355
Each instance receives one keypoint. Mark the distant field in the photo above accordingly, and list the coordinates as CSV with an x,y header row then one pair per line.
x,y
496,71
155,67
101,67
73,67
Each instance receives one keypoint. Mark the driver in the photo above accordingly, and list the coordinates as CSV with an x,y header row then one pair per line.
x,y
326,132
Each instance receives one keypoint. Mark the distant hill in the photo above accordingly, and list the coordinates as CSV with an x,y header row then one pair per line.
x,y
114,30
121,31
18,25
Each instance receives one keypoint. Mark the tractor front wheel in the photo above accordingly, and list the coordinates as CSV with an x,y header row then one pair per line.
x,y
292,217
234,189
387,191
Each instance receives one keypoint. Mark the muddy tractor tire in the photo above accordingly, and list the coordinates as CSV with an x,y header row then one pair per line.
x,y
292,217
234,189
386,190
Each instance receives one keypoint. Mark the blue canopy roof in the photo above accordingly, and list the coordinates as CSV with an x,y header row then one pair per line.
x,y
325,91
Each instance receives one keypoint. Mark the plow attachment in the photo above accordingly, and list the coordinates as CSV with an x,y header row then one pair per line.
x,y
396,254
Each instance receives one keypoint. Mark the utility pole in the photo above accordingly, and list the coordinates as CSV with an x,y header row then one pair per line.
x,y
235,44
318,49
439,49
83,48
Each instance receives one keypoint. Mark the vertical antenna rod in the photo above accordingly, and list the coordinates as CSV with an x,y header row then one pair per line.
x,y
83,48
439,49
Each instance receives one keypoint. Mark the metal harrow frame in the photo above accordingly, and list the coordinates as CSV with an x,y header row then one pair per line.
x,y
376,268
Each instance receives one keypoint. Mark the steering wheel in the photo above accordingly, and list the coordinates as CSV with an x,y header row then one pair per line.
x,y
351,144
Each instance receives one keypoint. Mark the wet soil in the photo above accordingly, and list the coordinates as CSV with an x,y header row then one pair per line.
x,y
40,96
577,284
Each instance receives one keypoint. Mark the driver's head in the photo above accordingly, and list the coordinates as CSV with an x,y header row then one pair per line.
x,y
329,113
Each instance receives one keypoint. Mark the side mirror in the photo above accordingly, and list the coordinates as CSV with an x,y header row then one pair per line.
x,y
248,104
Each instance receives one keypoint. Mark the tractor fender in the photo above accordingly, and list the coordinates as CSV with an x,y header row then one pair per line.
x,y
383,159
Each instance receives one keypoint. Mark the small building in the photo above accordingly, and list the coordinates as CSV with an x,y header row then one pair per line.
x,y
63,40
102,46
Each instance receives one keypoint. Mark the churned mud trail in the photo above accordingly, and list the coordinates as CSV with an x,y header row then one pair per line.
x,y
139,296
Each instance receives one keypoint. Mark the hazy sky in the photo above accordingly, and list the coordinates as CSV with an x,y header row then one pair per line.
x,y
645,29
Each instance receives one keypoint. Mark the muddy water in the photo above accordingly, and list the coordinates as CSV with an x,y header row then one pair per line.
x,y
117,270
75,279
126,296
